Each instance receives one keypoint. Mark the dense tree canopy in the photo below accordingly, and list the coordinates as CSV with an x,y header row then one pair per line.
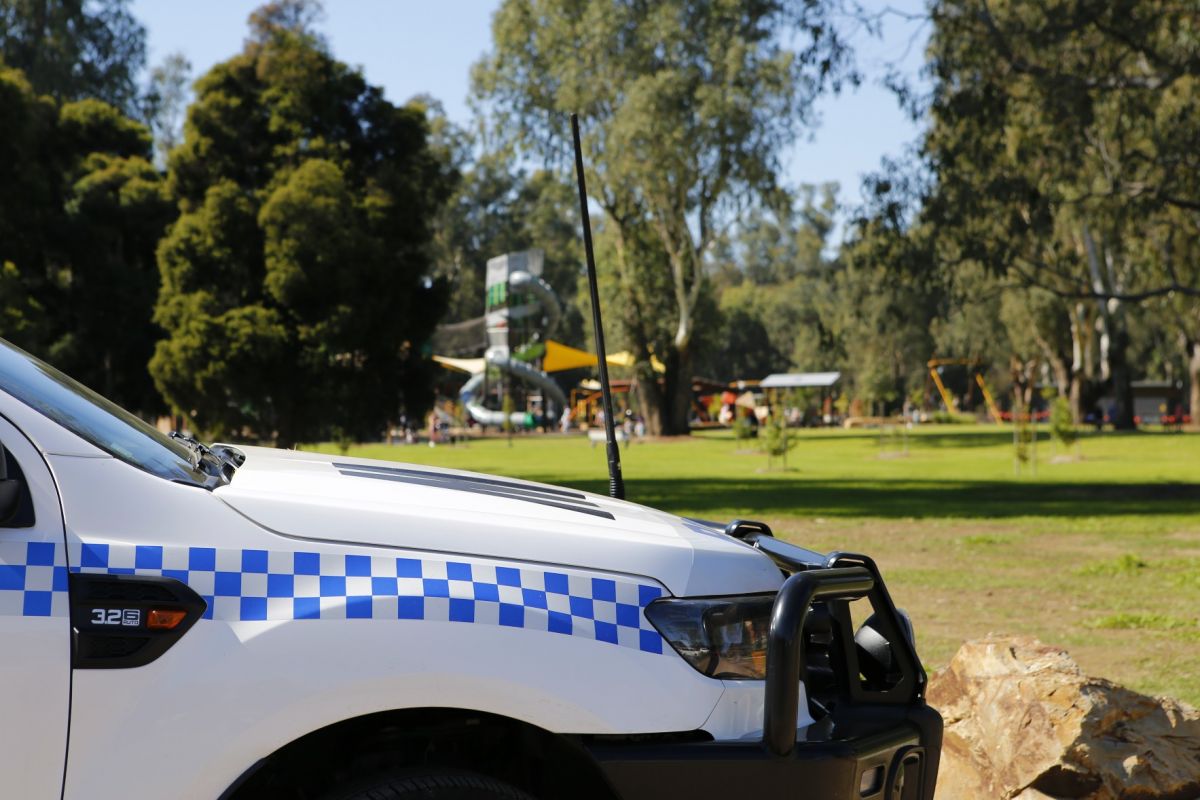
x,y
81,211
295,289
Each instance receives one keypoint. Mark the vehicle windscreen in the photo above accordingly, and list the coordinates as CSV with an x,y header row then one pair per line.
x,y
94,419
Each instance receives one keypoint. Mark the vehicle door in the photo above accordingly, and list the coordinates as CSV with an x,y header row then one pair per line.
x,y
35,627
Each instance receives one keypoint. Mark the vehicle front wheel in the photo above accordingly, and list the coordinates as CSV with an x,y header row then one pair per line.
x,y
430,785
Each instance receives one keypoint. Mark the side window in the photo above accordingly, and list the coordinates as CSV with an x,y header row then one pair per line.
x,y
16,504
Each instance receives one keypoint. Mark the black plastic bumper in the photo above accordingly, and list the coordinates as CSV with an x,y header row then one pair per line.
x,y
895,761
877,740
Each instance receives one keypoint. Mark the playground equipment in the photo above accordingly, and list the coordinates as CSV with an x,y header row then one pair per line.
x,y
935,366
516,297
522,310
517,369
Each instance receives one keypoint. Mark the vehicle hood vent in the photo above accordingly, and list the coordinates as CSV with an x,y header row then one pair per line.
x,y
527,492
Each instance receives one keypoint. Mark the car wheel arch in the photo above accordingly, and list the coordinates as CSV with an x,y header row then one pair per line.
x,y
541,762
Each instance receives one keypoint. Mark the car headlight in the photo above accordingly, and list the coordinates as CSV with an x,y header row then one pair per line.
x,y
722,637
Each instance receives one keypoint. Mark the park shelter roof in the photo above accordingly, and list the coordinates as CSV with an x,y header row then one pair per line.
x,y
800,380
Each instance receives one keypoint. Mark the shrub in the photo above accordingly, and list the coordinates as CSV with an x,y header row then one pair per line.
x,y
1062,423
507,407
776,440
742,429
714,407
952,418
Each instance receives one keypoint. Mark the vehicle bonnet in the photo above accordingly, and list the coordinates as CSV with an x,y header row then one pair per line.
x,y
415,507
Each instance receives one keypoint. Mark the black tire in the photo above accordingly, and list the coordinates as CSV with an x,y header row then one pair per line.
x,y
430,785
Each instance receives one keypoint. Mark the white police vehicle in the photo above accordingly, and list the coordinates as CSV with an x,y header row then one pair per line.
x,y
181,621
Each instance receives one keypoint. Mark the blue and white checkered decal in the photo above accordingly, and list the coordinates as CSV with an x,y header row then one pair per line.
x,y
33,580
258,585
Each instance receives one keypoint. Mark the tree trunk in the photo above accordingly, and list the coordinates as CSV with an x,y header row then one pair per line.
x,y
1075,396
667,406
1062,374
650,398
1114,364
1114,336
1079,365
1194,380
679,393
1121,376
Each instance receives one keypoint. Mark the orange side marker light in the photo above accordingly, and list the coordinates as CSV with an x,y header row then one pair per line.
x,y
164,619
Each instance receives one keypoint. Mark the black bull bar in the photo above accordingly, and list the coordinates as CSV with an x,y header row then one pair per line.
x,y
841,576
876,740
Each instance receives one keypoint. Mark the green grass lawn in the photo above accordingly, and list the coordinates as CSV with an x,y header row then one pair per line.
x,y
1099,553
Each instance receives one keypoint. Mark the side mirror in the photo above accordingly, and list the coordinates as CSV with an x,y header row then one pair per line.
x,y
10,491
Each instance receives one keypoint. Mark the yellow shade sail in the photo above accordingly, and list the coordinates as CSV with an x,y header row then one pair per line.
x,y
561,357
469,365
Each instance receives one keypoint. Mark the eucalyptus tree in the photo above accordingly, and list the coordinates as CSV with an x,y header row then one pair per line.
x,y
76,49
165,103
685,107
1060,132
774,286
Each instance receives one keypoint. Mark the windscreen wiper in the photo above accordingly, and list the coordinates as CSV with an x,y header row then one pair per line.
x,y
221,463
195,447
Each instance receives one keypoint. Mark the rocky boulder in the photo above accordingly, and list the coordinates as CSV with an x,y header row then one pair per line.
x,y
1022,721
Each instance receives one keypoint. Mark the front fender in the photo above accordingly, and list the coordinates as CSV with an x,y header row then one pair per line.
x,y
235,690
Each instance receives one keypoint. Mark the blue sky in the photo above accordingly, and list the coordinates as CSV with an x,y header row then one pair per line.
x,y
411,48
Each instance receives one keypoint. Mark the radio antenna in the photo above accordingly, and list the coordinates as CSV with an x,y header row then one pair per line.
x,y
616,484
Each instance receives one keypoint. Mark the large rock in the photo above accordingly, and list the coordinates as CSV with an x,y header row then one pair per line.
x,y
1022,721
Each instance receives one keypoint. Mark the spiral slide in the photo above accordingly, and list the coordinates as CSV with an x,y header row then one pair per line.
x,y
521,281
546,304
517,369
